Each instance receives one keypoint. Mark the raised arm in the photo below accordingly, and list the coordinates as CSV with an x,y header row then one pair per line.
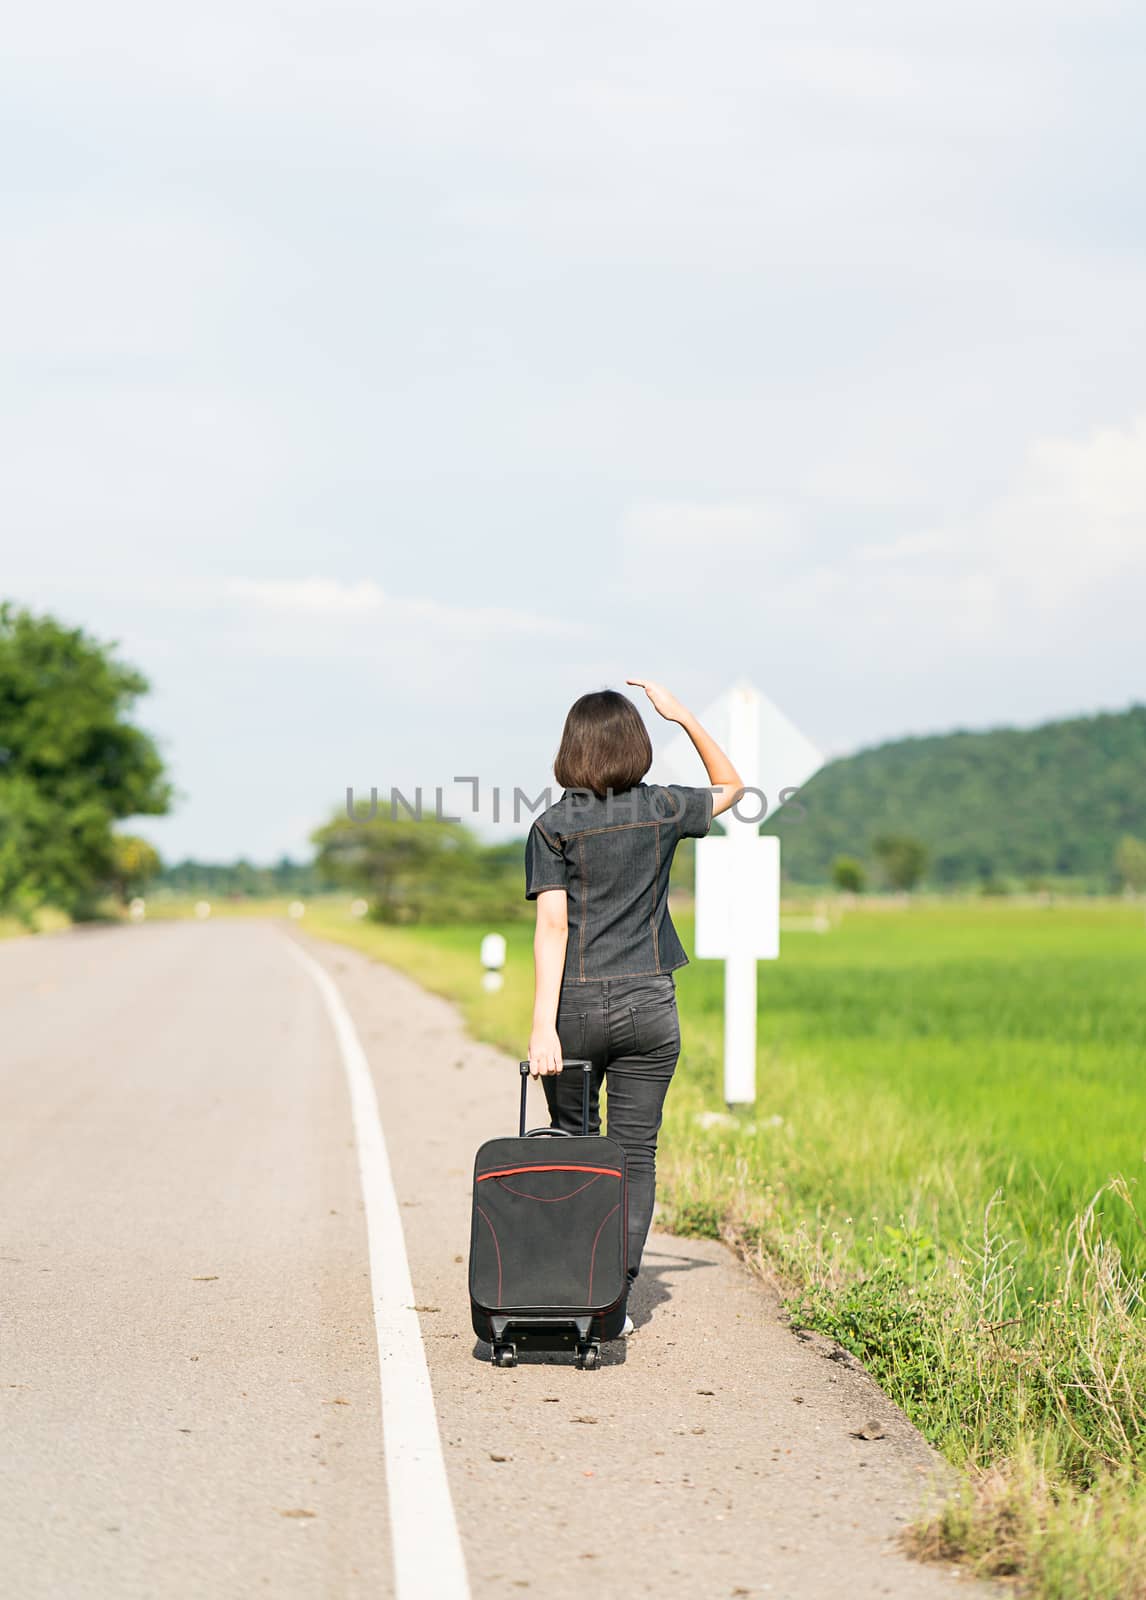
x,y
549,940
727,784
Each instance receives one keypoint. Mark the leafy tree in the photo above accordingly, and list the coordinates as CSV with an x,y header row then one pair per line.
x,y
902,858
422,871
25,827
848,874
135,863
1130,863
71,763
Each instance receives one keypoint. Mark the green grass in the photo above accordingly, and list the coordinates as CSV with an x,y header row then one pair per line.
x,y
943,1089
44,920
937,1053
948,1053
162,907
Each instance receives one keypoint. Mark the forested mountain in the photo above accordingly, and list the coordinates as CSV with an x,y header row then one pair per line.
x,y
1007,803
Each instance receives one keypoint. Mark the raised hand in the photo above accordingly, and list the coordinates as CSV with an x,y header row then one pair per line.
x,y
667,704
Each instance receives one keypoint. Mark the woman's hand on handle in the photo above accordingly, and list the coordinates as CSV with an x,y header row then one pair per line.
x,y
544,1052
667,704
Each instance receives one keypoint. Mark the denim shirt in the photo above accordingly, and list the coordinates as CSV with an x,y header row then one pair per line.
x,y
612,857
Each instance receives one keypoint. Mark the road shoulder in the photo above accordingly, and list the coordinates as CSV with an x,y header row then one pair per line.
x,y
715,1453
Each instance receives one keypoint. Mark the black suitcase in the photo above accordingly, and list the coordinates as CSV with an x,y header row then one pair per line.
x,y
549,1239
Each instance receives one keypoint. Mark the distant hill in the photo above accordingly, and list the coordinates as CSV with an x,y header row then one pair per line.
x,y
1006,803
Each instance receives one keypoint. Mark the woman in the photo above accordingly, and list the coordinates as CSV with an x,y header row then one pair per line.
x,y
597,862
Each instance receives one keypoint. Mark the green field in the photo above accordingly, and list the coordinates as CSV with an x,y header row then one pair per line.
x,y
943,1089
918,1058
45,920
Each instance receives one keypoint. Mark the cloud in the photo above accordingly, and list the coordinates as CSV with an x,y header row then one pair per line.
x,y
907,547
324,600
1070,525
1027,605
1075,520
314,596
669,545
730,364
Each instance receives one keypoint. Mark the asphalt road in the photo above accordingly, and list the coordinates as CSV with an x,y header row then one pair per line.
x,y
190,1365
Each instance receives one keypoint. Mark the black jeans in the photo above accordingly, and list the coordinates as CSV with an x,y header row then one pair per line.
x,y
630,1030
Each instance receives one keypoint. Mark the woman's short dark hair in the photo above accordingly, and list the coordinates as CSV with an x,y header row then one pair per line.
x,y
605,744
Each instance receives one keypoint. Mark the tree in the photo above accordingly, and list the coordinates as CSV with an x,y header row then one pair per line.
x,y
848,874
422,871
134,863
1130,863
71,762
902,858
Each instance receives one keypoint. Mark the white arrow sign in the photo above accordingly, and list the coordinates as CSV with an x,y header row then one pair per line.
x,y
769,752
738,876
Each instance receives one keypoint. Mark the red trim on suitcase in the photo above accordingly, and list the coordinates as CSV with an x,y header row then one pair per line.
x,y
593,1257
547,1199
497,1247
509,1172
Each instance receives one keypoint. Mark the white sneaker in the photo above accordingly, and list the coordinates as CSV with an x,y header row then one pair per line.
x,y
628,1328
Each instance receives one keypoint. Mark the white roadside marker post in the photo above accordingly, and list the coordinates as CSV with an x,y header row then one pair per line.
x,y
493,960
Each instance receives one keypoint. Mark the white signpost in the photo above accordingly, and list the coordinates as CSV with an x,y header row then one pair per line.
x,y
738,877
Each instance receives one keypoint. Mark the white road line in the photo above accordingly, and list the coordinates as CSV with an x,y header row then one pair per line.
x,y
426,1547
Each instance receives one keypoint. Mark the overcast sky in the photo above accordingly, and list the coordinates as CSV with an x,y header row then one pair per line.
x,y
382,376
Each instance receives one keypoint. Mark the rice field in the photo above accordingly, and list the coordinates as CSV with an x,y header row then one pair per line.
x,y
931,1053
944,1170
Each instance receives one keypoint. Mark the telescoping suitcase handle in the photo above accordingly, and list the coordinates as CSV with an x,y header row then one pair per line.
x,y
559,1133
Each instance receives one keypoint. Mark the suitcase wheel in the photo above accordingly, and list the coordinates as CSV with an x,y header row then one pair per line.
x,y
505,1355
589,1356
